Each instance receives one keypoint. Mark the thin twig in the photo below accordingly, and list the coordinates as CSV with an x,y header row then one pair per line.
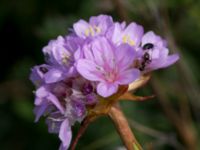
x,y
81,131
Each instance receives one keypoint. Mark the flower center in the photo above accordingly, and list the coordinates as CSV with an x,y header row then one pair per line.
x,y
92,30
110,76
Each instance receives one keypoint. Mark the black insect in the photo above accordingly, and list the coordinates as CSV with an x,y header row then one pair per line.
x,y
43,70
147,46
145,60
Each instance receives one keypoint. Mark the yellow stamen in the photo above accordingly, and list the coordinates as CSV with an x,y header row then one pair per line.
x,y
127,39
65,58
92,30
97,29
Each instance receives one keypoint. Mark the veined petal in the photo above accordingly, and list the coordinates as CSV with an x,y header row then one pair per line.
x,y
128,76
106,50
125,55
88,52
115,33
106,89
102,45
88,69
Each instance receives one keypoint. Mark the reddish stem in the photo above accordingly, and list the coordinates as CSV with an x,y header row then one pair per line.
x,y
123,128
81,131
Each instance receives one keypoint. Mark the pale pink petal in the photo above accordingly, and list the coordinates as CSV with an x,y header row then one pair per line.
x,y
162,62
98,57
171,59
115,33
128,76
88,69
55,101
80,28
41,92
53,75
102,45
103,22
106,89
65,134
125,55
151,37
88,52
135,32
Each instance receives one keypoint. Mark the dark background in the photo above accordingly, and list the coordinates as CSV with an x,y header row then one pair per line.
x,y
168,121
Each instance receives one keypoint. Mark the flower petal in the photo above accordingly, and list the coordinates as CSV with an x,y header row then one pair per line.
x,y
125,55
80,28
128,76
114,33
65,133
102,45
151,37
171,59
88,69
39,111
55,101
135,32
106,89
53,75
162,63
102,22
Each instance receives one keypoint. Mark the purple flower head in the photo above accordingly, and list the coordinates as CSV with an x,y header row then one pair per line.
x,y
97,25
155,53
108,65
132,34
62,54
91,63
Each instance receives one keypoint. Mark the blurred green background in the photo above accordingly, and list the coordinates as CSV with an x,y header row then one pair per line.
x,y
169,121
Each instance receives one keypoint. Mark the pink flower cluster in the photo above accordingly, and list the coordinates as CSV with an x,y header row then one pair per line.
x,y
92,61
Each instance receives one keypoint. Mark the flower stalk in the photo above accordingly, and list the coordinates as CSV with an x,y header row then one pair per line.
x,y
123,128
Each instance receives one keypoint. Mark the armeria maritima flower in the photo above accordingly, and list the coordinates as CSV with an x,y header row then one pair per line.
x,y
108,64
92,62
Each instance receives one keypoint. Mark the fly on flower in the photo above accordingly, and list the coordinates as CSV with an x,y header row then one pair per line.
x,y
91,63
